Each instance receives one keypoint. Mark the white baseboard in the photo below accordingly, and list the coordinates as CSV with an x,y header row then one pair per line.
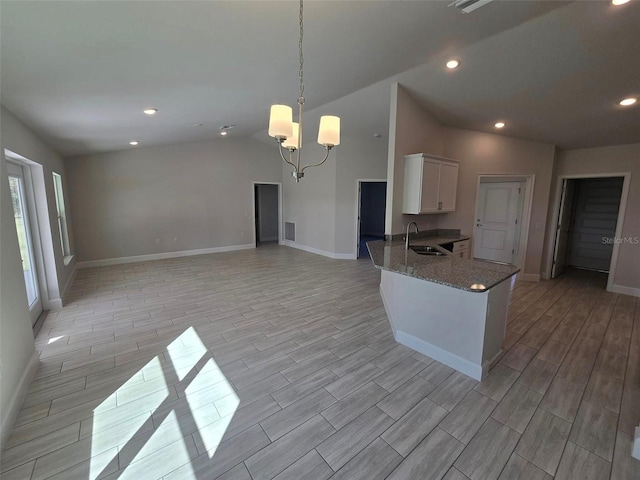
x,y
635,452
317,251
634,292
531,277
12,409
54,304
161,256
454,361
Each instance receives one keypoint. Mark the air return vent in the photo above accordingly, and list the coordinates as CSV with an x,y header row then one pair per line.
x,y
290,231
466,6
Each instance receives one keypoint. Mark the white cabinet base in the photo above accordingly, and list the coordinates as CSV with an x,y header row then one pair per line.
x,y
461,329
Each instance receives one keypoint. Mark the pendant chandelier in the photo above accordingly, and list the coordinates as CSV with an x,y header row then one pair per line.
x,y
288,133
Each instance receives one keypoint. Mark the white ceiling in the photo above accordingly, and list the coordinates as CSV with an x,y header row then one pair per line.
x,y
80,73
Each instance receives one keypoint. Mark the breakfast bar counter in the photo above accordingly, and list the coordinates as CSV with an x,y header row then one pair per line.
x,y
451,309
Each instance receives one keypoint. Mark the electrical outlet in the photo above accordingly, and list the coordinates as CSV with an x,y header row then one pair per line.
x,y
241,234
157,241
175,240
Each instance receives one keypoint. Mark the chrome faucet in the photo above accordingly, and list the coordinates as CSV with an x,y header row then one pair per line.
x,y
406,240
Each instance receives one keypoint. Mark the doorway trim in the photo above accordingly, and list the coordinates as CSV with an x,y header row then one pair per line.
x,y
359,182
529,183
611,287
43,243
253,210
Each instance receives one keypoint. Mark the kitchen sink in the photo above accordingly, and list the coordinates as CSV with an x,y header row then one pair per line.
x,y
427,250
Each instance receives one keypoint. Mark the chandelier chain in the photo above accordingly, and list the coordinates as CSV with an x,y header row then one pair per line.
x,y
301,71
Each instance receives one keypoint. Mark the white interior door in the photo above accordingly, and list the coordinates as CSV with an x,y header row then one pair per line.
x,y
21,212
497,221
562,228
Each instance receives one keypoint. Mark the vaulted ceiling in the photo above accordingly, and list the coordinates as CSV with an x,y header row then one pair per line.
x,y
80,73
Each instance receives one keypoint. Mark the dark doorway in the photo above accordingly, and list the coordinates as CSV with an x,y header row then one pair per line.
x,y
266,213
587,223
372,207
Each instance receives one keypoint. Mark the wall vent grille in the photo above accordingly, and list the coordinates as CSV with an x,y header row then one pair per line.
x,y
290,231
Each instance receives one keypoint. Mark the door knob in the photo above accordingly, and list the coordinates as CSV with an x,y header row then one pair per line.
x,y
478,224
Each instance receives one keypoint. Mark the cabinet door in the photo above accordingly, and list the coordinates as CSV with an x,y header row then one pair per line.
x,y
430,180
448,187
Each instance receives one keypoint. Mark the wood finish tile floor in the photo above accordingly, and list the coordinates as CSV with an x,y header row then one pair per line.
x,y
276,363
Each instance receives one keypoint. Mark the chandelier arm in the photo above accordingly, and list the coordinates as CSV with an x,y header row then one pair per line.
x,y
318,164
284,158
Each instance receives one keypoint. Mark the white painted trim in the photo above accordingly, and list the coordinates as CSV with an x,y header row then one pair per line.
x,y
635,452
317,251
160,256
634,292
387,309
14,405
359,183
529,180
531,277
45,252
454,361
253,209
67,286
619,224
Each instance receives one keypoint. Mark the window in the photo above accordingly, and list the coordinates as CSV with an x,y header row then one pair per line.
x,y
62,216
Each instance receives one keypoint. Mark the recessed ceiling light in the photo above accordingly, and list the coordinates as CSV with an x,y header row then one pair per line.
x,y
133,142
377,135
198,124
628,101
453,63
223,133
619,2
150,111
499,125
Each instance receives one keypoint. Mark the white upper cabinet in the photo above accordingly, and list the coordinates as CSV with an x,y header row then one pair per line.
x,y
430,184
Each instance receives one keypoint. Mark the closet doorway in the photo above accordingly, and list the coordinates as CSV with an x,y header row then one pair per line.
x,y
372,201
588,219
267,203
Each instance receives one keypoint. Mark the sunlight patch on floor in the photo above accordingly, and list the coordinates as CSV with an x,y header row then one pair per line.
x,y
180,394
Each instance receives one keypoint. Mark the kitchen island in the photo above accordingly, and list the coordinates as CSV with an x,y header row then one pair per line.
x,y
451,309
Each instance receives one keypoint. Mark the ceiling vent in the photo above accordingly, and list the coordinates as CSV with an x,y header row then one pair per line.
x,y
467,6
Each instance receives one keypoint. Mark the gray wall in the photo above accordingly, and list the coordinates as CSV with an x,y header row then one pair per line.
x,y
310,204
187,197
19,139
414,130
16,335
595,161
486,153
323,205
411,130
358,159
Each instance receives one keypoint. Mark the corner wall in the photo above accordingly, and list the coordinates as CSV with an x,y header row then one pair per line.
x,y
19,360
19,139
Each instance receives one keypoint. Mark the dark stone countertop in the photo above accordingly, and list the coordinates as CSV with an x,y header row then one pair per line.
x,y
469,275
